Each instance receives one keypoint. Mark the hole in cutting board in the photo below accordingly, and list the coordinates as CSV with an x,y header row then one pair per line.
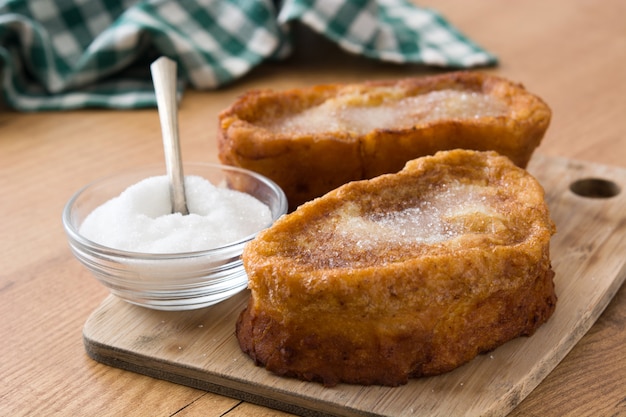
x,y
595,188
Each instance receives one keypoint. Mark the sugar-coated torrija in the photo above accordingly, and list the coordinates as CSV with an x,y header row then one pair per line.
x,y
405,275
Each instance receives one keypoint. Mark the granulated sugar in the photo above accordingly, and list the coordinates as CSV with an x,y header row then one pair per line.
x,y
427,222
360,118
140,219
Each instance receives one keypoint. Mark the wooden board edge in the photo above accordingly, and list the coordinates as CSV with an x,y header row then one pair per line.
x,y
520,391
119,358
130,361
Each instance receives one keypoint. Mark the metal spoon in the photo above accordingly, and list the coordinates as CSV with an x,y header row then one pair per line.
x,y
164,78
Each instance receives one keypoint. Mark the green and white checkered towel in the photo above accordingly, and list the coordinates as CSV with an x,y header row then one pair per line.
x,y
66,54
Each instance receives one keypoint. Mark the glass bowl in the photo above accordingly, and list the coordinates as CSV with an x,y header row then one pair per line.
x,y
177,281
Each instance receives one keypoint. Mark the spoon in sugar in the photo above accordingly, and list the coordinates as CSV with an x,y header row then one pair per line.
x,y
164,78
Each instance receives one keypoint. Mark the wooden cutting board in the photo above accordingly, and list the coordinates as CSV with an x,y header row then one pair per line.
x,y
198,348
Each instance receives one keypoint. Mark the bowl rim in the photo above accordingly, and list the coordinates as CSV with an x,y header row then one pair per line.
x,y
76,238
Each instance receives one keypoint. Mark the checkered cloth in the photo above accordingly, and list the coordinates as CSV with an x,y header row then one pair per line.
x,y
66,54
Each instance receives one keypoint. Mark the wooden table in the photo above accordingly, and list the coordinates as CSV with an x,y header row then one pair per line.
x,y
573,54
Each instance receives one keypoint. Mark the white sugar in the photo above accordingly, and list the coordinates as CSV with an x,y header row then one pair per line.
x,y
343,114
140,218
428,221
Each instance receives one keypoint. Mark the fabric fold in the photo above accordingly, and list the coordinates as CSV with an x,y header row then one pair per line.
x,y
68,54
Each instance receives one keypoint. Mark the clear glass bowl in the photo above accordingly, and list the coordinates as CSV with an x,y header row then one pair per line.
x,y
181,281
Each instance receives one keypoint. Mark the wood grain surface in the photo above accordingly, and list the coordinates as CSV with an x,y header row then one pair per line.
x,y
571,53
199,348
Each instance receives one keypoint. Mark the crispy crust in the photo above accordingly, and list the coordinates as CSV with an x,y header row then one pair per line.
x,y
307,165
322,308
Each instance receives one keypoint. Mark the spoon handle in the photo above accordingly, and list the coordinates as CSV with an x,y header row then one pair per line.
x,y
164,78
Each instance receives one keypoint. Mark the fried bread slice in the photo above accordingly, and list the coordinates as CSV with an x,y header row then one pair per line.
x,y
404,275
312,140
